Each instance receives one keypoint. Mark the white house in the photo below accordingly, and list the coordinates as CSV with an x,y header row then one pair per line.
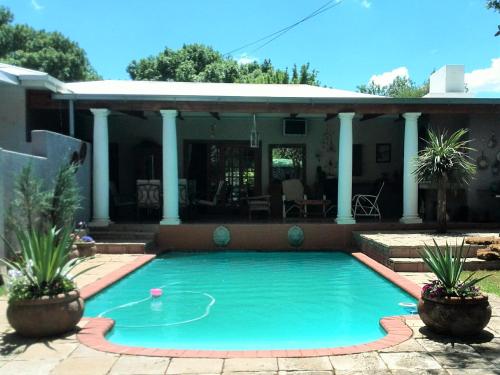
x,y
200,132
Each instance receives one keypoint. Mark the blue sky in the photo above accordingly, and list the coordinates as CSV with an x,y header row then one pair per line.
x,y
350,44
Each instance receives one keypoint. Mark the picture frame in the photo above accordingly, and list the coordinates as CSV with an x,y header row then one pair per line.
x,y
383,153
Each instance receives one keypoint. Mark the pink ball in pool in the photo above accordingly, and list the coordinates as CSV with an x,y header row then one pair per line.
x,y
156,292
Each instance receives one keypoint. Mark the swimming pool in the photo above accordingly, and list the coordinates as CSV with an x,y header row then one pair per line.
x,y
236,300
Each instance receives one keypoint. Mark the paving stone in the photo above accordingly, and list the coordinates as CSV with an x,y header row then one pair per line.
x,y
140,365
195,366
407,346
359,362
83,351
305,364
403,361
361,372
446,346
251,373
419,372
84,366
54,349
461,360
33,367
305,373
489,350
250,364
469,371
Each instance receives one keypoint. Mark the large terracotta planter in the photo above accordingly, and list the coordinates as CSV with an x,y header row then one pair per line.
x,y
46,316
455,316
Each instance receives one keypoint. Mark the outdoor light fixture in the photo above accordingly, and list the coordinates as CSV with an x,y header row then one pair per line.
x,y
254,136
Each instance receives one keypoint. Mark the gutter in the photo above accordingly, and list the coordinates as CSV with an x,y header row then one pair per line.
x,y
255,99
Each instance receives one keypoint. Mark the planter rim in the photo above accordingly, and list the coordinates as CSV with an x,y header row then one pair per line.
x,y
457,300
45,300
84,243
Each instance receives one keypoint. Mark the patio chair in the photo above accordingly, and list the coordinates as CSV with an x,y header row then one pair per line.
x,y
148,195
217,198
293,196
367,205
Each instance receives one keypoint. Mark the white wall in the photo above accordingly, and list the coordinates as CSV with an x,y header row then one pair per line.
x,y
13,118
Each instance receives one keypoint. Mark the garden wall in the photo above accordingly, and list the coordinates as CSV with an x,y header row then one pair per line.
x,y
48,151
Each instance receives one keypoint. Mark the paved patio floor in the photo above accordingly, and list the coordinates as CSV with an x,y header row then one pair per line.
x,y
424,353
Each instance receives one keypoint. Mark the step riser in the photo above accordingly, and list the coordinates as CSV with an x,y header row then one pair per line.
x,y
421,267
107,248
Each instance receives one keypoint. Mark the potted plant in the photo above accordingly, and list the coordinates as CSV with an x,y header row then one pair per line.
x,y
43,297
449,305
444,159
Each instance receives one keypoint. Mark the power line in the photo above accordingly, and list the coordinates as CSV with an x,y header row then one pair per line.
x,y
327,6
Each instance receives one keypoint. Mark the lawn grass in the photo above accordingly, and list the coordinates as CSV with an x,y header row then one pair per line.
x,y
490,284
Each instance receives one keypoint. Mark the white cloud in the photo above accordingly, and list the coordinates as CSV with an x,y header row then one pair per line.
x,y
485,80
386,78
245,59
36,5
366,3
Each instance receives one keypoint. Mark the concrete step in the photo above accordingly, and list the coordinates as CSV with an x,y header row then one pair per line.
x,y
417,265
126,228
122,236
121,247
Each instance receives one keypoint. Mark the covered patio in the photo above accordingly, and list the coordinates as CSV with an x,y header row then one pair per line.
x,y
204,149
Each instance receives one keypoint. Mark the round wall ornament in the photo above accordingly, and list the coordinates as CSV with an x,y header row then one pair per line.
x,y
221,236
295,236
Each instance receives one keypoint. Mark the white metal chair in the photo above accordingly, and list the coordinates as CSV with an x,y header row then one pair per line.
x,y
293,195
367,205
148,195
216,199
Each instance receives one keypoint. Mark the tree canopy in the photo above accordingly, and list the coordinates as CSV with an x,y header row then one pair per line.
x,y
50,52
201,63
495,5
401,87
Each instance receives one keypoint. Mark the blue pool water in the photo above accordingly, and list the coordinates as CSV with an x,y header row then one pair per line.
x,y
249,301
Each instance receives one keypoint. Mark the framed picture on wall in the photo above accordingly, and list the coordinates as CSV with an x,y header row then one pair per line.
x,y
383,153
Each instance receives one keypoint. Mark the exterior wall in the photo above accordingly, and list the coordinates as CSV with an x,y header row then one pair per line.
x,y
129,131
49,151
13,118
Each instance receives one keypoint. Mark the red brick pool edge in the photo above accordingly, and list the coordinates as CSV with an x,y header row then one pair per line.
x,y
93,334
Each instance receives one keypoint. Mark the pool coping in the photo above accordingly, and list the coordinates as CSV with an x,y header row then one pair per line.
x,y
94,331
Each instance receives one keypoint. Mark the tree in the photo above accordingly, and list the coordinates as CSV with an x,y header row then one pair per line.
x,y
443,160
201,63
495,5
401,87
50,52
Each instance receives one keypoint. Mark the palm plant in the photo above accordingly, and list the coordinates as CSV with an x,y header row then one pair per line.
x,y
448,267
443,160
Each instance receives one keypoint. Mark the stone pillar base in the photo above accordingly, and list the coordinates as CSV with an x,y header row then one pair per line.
x,y
345,220
410,220
170,221
100,223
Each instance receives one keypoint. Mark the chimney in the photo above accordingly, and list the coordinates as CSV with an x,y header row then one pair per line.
x,y
448,82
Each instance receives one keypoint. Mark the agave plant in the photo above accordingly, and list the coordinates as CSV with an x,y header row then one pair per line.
x,y
443,160
43,265
448,265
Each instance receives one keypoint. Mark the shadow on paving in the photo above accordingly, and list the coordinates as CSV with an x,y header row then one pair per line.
x,y
12,343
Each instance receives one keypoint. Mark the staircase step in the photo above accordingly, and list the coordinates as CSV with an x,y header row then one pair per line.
x,y
417,265
121,247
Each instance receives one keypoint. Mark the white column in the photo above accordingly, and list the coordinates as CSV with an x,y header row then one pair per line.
x,y
100,182
170,169
410,184
344,211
